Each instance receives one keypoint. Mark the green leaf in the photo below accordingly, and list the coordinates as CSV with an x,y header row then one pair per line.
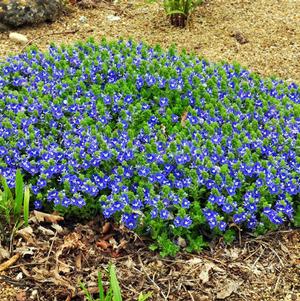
x,y
173,12
229,236
26,205
100,286
297,217
153,247
143,297
86,292
114,284
19,194
7,195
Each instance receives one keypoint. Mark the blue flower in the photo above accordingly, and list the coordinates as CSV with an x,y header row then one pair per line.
x,y
164,214
163,102
222,226
186,222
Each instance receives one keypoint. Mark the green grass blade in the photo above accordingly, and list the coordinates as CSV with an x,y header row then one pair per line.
x,y
100,286
172,12
86,292
114,284
109,295
145,297
6,191
19,194
26,205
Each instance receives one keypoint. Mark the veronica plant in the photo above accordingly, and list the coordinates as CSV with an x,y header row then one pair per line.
x,y
164,142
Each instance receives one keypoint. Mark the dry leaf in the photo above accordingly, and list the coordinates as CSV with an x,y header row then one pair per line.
x,y
204,274
63,268
27,234
106,227
45,217
46,231
25,250
4,254
122,244
57,227
21,296
78,260
181,242
113,243
129,263
195,261
103,244
72,241
19,276
183,118
91,290
230,287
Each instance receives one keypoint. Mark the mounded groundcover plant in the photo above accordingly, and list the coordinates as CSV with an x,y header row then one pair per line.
x,y
164,142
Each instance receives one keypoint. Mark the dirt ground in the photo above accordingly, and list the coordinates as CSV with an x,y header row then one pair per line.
x,y
51,258
263,36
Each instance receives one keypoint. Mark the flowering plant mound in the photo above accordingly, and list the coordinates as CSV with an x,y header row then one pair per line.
x,y
164,142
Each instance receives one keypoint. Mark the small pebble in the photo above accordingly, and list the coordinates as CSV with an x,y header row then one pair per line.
x,y
82,19
113,18
19,276
18,37
33,295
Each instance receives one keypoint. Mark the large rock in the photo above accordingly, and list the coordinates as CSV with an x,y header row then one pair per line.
x,y
25,12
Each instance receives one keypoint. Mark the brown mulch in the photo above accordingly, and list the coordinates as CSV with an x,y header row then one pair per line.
x,y
55,258
263,36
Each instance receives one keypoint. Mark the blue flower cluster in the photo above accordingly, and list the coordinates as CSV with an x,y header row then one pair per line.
x,y
148,134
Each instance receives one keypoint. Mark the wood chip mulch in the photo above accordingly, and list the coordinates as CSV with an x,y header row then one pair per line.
x,y
54,257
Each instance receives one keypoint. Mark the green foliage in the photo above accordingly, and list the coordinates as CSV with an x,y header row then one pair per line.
x,y
297,217
229,236
145,297
179,8
113,292
185,7
11,202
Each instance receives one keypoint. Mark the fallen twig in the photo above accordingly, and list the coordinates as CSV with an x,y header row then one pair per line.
x,y
151,280
20,283
9,262
47,35
51,247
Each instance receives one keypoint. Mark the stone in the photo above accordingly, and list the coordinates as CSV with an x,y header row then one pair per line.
x,y
113,18
18,37
17,13
82,19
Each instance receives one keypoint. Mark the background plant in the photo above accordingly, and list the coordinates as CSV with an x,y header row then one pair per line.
x,y
14,204
179,11
113,291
